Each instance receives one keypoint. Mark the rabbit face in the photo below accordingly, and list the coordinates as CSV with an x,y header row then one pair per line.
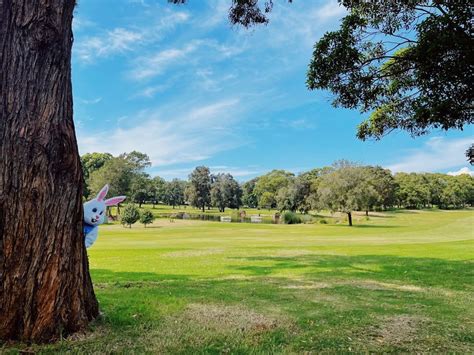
x,y
94,210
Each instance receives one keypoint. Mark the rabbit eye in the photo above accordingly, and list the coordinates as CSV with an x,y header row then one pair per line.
x,y
94,210
101,212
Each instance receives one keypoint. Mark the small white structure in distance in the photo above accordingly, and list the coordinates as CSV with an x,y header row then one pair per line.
x,y
255,219
226,219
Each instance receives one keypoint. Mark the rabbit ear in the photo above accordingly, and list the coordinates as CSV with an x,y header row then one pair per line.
x,y
101,195
114,200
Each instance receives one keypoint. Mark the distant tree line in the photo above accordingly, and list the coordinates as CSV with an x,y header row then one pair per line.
x,y
344,187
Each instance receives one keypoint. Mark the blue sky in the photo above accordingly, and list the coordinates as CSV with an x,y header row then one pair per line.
x,y
184,86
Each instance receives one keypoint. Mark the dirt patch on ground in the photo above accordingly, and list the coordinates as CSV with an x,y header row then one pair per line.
x,y
222,318
397,330
193,252
383,286
308,286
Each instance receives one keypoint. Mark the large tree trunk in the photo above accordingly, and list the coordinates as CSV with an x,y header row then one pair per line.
x,y
349,217
45,287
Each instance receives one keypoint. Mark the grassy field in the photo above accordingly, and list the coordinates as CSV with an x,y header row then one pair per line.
x,y
401,281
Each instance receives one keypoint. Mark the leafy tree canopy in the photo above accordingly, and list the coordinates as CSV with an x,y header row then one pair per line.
x,y
408,62
199,191
130,215
146,217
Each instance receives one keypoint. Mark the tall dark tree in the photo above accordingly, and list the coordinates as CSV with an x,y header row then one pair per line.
x,y
249,198
200,187
158,190
45,287
409,62
225,192
141,188
174,192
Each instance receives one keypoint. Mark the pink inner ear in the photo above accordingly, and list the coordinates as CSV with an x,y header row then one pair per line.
x,y
103,193
114,200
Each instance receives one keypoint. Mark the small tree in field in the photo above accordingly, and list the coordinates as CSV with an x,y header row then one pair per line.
x,y
130,215
146,217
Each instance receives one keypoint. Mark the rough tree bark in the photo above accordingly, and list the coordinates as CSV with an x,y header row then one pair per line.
x,y
45,287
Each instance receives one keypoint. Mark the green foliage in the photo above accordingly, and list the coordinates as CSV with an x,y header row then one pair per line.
x,y
425,190
117,173
199,189
291,218
249,198
124,174
174,192
407,62
267,200
91,162
225,192
158,190
268,185
280,189
146,217
130,215
345,189
141,188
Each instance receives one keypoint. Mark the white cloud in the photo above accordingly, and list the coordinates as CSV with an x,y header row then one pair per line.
x,y
299,124
120,40
151,66
91,101
115,41
437,154
150,91
332,9
81,23
188,136
464,170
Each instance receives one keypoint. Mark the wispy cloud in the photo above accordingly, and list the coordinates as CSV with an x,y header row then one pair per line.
x,y
150,91
153,65
115,41
437,154
298,124
91,101
80,23
332,9
188,136
120,40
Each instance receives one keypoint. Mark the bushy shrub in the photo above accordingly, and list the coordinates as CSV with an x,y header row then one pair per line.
x,y
130,215
291,218
146,217
323,221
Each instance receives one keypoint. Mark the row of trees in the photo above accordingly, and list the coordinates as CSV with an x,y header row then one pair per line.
x,y
343,187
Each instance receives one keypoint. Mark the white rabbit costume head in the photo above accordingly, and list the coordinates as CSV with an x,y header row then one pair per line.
x,y
94,210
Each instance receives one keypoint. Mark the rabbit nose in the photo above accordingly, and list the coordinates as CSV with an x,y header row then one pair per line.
x,y
96,217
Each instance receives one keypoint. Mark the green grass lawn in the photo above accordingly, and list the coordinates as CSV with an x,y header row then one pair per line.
x,y
401,281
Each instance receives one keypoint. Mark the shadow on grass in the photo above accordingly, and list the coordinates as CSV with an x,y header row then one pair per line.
x,y
456,275
323,308
423,272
